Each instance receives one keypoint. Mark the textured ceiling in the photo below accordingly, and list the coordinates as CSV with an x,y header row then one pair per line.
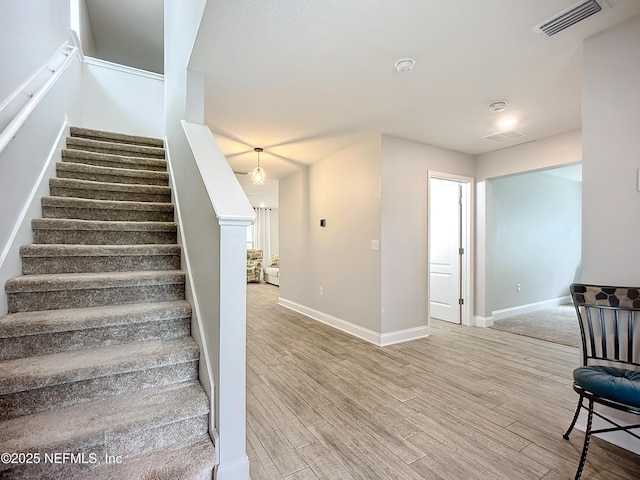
x,y
304,79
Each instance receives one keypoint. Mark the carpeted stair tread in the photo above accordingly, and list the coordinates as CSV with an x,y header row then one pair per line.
x,y
95,232
76,224
42,332
30,293
63,258
114,148
70,187
96,352
72,319
115,161
63,250
94,424
106,204
116,137
191,462
81,281
89,209
29,373
81,171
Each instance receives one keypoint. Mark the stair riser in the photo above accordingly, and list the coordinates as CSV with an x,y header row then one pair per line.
x,y
39,400
112,178
98,264
118,195
106,214
92,297
117,151
103,237
128,445
72,156
73,340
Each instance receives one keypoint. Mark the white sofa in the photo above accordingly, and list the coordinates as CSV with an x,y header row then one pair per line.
x,y
272,271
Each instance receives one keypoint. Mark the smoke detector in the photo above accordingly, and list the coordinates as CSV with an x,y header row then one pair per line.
x,y
570,16
405,65
498,106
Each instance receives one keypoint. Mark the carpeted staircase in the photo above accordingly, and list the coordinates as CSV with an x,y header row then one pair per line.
x,y
96,357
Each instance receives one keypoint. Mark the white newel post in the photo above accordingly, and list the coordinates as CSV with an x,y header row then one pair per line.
x,y
234,463
214,195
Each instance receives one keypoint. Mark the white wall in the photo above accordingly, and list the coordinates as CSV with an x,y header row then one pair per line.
x,y
122,99
553,151
86,31
534,238
275,232
294,237
611,200
611,125
562,149
30,32
405,278
29,35
182,20
344,189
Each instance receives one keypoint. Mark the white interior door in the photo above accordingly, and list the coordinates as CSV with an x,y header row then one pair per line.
x,y
444,254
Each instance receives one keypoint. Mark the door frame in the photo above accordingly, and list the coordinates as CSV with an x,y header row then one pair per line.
x,y
466,280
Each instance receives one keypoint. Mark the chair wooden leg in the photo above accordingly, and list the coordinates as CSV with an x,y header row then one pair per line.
x,y
575,418
587,437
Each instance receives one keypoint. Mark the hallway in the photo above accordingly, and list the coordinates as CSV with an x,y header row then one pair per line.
x,y
466,403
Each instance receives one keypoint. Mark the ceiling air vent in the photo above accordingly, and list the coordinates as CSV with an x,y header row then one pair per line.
x,y
570,16
503,136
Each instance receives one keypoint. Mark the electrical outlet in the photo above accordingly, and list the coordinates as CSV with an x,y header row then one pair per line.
x,y
517,287
321,291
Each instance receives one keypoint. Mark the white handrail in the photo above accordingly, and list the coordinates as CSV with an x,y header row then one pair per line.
x,y
16,123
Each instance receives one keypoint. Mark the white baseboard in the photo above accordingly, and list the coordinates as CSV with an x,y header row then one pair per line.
x,y
484,322
529,307
236,470
370,336
405,335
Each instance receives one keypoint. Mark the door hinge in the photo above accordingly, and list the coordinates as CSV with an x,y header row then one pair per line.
x,y
461,251
461,301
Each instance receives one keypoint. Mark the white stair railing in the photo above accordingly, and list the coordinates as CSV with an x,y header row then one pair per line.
x,y
17,107
213,214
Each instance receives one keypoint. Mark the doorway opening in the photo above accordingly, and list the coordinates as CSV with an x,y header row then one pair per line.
x,y
449,247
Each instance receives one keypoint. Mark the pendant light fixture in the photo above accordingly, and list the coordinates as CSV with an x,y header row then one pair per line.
x,y
258,176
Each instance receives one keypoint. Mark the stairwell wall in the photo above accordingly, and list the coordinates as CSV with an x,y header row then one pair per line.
x,y
214,241
30,34
122,99
31,31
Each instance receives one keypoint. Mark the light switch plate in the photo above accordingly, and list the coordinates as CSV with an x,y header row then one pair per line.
x,y
375,244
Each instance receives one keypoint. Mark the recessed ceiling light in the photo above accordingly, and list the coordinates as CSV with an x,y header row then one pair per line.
x,y
405,65
498,106
507,122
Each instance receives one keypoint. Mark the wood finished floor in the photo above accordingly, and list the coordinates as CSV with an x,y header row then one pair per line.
x,y
465,403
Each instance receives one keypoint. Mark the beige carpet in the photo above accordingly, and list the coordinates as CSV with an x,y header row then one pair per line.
x,y
555,324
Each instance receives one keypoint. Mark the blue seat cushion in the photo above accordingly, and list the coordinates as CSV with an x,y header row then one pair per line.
x,y
617,384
